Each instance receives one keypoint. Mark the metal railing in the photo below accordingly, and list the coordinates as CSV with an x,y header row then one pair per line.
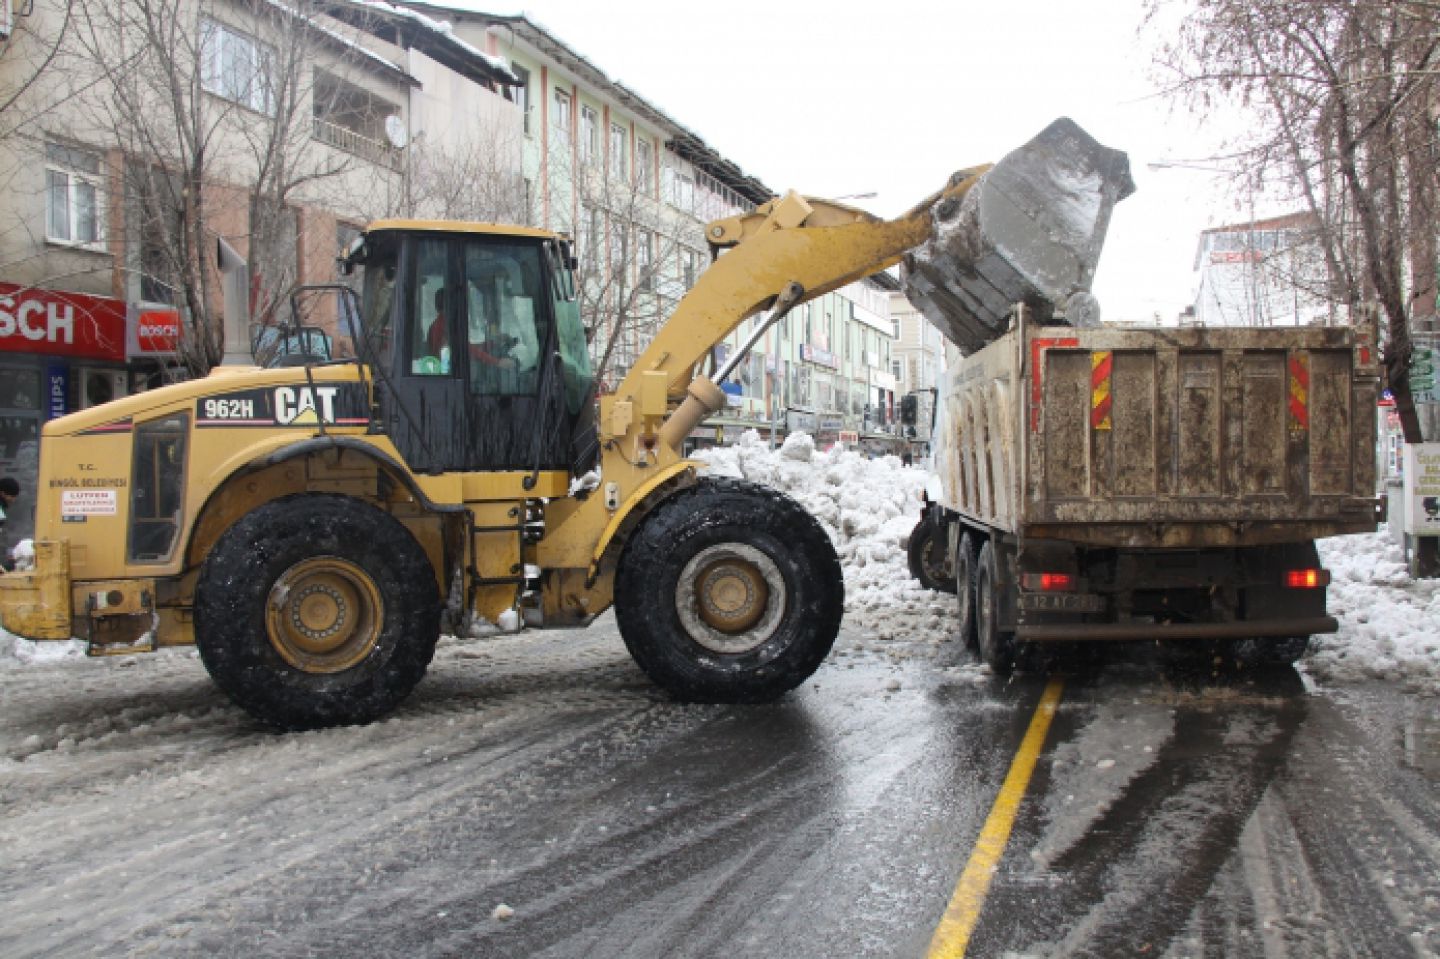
x,y
343,138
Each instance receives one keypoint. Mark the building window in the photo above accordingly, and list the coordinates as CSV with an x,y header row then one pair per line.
x,y
689,267
562,115
588,232
644,160
237,67
72,195
520,95
680,189
589,134
617,151
617,242
644,259
895,370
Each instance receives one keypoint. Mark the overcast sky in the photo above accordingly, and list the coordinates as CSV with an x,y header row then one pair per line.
x,y
839,98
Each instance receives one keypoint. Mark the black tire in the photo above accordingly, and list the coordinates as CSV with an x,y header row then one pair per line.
x,y
729,592
997,648
965,564
273,612
1269,650
926,554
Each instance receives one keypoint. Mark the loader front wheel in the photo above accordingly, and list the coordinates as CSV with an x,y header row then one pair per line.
x,y
729,592
926,557
317,610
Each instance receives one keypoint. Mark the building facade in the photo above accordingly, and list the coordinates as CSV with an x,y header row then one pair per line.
x,y
128,154
1262,273
920,357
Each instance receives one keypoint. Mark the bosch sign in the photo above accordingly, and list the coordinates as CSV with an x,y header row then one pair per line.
x,y
65,324
57,323
153,331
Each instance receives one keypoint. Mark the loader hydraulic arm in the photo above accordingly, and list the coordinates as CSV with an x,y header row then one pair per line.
x,y
791,242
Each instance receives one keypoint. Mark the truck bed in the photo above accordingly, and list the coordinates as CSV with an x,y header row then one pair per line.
x,y
1156,437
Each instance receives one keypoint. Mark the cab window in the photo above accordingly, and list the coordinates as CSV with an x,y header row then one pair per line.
x,y
430,347
503,333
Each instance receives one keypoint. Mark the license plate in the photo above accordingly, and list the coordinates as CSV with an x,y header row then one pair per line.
x,y
1062,602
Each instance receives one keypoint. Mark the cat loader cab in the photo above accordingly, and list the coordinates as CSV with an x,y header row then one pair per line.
x,y
479,353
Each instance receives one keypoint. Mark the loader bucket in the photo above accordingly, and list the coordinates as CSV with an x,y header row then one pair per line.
x,y
1030,230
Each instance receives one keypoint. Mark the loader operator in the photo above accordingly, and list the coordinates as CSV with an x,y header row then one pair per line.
x,y
492,350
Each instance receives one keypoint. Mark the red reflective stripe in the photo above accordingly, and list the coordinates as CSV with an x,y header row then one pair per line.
x,y
1037,375
1101,372
1299,401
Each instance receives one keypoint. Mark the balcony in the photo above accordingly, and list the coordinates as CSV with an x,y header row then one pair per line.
x,y
343,138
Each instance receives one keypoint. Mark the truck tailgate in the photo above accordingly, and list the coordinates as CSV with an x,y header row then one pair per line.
x,y
1195,437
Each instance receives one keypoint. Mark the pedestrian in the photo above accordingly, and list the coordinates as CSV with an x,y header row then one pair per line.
x,y
907,459
9,493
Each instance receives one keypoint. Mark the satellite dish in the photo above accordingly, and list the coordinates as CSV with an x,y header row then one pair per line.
x,y
395,131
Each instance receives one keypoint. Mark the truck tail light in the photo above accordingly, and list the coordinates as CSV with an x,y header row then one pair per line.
x,y
1307,578
1048,582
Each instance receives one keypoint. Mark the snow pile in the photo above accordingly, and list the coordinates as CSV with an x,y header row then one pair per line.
x,y
1389,623
869,507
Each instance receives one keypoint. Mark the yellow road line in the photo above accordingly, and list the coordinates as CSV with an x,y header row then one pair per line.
x,y
953,934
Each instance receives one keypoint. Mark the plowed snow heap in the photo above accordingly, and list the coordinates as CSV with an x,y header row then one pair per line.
x,y
1029,231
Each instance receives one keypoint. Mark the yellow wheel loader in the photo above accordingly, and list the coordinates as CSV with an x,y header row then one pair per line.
x,y
314,526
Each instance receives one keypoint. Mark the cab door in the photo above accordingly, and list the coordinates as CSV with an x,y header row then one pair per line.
x,y
425,411
516,409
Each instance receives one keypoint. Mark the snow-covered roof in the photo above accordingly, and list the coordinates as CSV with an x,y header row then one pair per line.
x,y
368,55
682,140
434,38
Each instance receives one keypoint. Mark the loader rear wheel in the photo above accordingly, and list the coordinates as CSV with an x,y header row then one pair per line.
x,y
729,592
997,648
317,610
926,555
965,588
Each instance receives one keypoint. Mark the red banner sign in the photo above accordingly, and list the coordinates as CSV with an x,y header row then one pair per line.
x,y
61,324
57,323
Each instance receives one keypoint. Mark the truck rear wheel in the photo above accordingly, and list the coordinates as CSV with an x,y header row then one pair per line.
x,y
729,592
926,555
317,610
965,588
997,648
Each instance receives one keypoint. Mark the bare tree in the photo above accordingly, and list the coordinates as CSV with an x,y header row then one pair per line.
x,y
214,106
1344,96
474,178
638,254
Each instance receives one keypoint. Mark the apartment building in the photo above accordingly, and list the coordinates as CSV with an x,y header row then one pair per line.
x,y
135,136
1261,273
919,361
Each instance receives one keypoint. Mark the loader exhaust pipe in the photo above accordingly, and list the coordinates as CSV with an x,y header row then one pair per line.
x,y
235,290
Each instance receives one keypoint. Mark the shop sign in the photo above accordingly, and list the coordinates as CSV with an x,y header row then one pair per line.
x,y
61,324
57,387
1422,489
800,421
152,331
819,357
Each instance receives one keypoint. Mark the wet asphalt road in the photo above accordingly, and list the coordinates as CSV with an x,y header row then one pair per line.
x,y
1170,814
